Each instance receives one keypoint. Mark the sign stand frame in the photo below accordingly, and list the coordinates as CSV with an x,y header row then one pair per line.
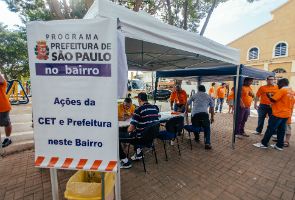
x,y
54,183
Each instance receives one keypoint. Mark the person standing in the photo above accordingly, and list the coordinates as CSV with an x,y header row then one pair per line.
x,y
179,98
230,101
201,103
244,109
212,94
221,91
283,102
265,104
212,91
5,107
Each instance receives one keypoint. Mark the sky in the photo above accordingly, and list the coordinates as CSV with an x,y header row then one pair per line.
x,y
235,18
228,22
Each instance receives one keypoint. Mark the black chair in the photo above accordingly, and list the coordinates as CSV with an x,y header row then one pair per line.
x,y
199,120
149,134
173,126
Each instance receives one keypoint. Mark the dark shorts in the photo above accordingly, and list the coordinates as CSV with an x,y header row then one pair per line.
x,y
4,119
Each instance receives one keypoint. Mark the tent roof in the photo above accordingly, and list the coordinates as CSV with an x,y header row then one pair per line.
x,y
154,45
214,74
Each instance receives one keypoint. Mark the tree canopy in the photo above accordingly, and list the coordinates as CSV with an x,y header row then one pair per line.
x,y
13,53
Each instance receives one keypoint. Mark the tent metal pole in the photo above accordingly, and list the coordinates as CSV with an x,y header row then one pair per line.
x,y
152,77
156,88
118,174
235,106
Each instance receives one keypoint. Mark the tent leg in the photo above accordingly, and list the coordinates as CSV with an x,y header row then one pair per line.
x,y
237,86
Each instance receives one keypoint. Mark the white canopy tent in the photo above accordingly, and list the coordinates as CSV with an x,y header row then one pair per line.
x,y
152,45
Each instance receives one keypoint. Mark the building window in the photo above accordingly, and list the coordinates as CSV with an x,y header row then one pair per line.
x,y
279,70
281,49
253,53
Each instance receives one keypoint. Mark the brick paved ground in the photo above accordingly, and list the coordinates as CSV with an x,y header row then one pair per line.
x,y
244,173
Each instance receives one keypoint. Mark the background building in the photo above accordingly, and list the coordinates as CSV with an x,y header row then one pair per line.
x,y
271,47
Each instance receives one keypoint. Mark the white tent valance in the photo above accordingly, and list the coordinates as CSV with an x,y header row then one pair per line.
x,y
152,45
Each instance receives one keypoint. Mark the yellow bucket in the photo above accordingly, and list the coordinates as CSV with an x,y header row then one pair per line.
x,y
86,185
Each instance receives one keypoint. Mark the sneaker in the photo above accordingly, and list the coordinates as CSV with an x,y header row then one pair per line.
x,y
125,165
244,134
137,156
274,136
238,136
208,146
259,145
256,133
6,142
275,147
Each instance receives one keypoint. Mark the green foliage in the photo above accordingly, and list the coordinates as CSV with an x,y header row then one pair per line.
x,y
13,53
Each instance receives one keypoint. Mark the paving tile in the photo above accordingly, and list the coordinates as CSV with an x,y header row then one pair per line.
x,y
220,173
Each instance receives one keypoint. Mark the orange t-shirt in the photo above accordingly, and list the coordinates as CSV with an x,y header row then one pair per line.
x,y
231,96
247,100
179,99
212,92
263,90
221,92
282,108
4,103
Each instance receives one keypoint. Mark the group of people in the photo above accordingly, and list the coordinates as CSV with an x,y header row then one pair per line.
x,y
275,100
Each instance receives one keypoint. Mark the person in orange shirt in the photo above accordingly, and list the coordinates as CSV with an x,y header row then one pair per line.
x,y
230,101
244,109
265,104
283,102
5,107
221,91
179,98
212,93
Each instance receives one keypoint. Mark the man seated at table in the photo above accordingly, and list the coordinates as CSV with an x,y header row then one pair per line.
x,y
125,112
144,115
201,103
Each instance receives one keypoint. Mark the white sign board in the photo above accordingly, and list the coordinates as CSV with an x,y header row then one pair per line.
x,y
73,66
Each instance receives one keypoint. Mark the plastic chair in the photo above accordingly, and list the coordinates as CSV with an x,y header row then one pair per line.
x,y
199,120
173,126
149,134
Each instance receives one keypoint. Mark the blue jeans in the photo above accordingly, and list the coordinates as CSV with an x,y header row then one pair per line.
x,y
207,132
219,101
275,123
176,107
262,111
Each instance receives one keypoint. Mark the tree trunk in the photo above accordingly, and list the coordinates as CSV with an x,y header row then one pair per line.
x,y
51,8
208,17
190,11
169,12
66,10
57,9
89,3
185,14
137,5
